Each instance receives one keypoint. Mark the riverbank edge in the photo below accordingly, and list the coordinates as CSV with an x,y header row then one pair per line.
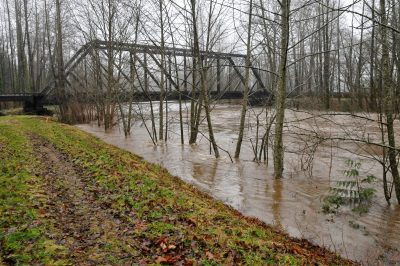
x,y
172,221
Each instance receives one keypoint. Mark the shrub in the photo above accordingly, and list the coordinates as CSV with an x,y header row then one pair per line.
x,y
353,191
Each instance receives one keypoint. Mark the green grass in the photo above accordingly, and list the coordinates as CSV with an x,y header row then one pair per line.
x,y
162,210
22,233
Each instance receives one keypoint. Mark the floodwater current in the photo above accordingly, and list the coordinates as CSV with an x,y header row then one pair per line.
x,y
294,203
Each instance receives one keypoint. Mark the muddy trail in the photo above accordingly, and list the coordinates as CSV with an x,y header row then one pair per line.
x,y
85,225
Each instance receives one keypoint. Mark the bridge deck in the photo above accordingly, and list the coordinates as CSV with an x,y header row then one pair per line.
x,y
22,97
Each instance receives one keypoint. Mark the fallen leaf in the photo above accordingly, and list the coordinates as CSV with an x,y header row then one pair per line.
x,y
167,259
140,226
162,239
42,211
209,255
171,247
193,245
166,248
189,263
163,247
145,245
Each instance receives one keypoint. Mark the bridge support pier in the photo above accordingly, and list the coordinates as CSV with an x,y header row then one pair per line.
x,y
35,106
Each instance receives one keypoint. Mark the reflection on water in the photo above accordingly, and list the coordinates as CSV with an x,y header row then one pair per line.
x,y
292,203
277,199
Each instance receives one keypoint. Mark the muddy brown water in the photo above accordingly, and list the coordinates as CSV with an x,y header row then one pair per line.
x,y
294,202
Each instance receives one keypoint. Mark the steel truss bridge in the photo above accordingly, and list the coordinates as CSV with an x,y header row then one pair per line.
x,y
147,58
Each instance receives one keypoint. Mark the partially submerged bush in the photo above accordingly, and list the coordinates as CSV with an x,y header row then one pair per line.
x,y
354,191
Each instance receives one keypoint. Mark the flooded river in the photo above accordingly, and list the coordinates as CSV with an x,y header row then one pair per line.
x,y
294,202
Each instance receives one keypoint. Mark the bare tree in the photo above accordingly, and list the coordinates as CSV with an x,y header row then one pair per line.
x,y
281,90
388,91
247,83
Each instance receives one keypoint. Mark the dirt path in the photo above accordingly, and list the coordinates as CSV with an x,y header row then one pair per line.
x,y
85,226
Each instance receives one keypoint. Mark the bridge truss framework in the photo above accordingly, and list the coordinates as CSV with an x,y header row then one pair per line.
x,y
146,56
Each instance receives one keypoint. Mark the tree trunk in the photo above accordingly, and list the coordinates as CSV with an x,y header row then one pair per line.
x,y
359,64
11,40
203,77
388,99
281,91
21,79
30,79
162,81
60,62
372,89
326,66
246,85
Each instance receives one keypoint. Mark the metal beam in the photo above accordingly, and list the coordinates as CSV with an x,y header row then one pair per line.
x,y
168,75
258,77
152,49
237,70
17,97
144,65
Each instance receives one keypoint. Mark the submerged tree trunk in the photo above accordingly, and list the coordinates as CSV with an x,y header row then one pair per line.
x,y
203,78
246,85
388,91
196,107
281,90
162,88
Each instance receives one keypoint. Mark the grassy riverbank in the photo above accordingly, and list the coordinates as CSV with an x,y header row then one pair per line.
x,y
67,198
